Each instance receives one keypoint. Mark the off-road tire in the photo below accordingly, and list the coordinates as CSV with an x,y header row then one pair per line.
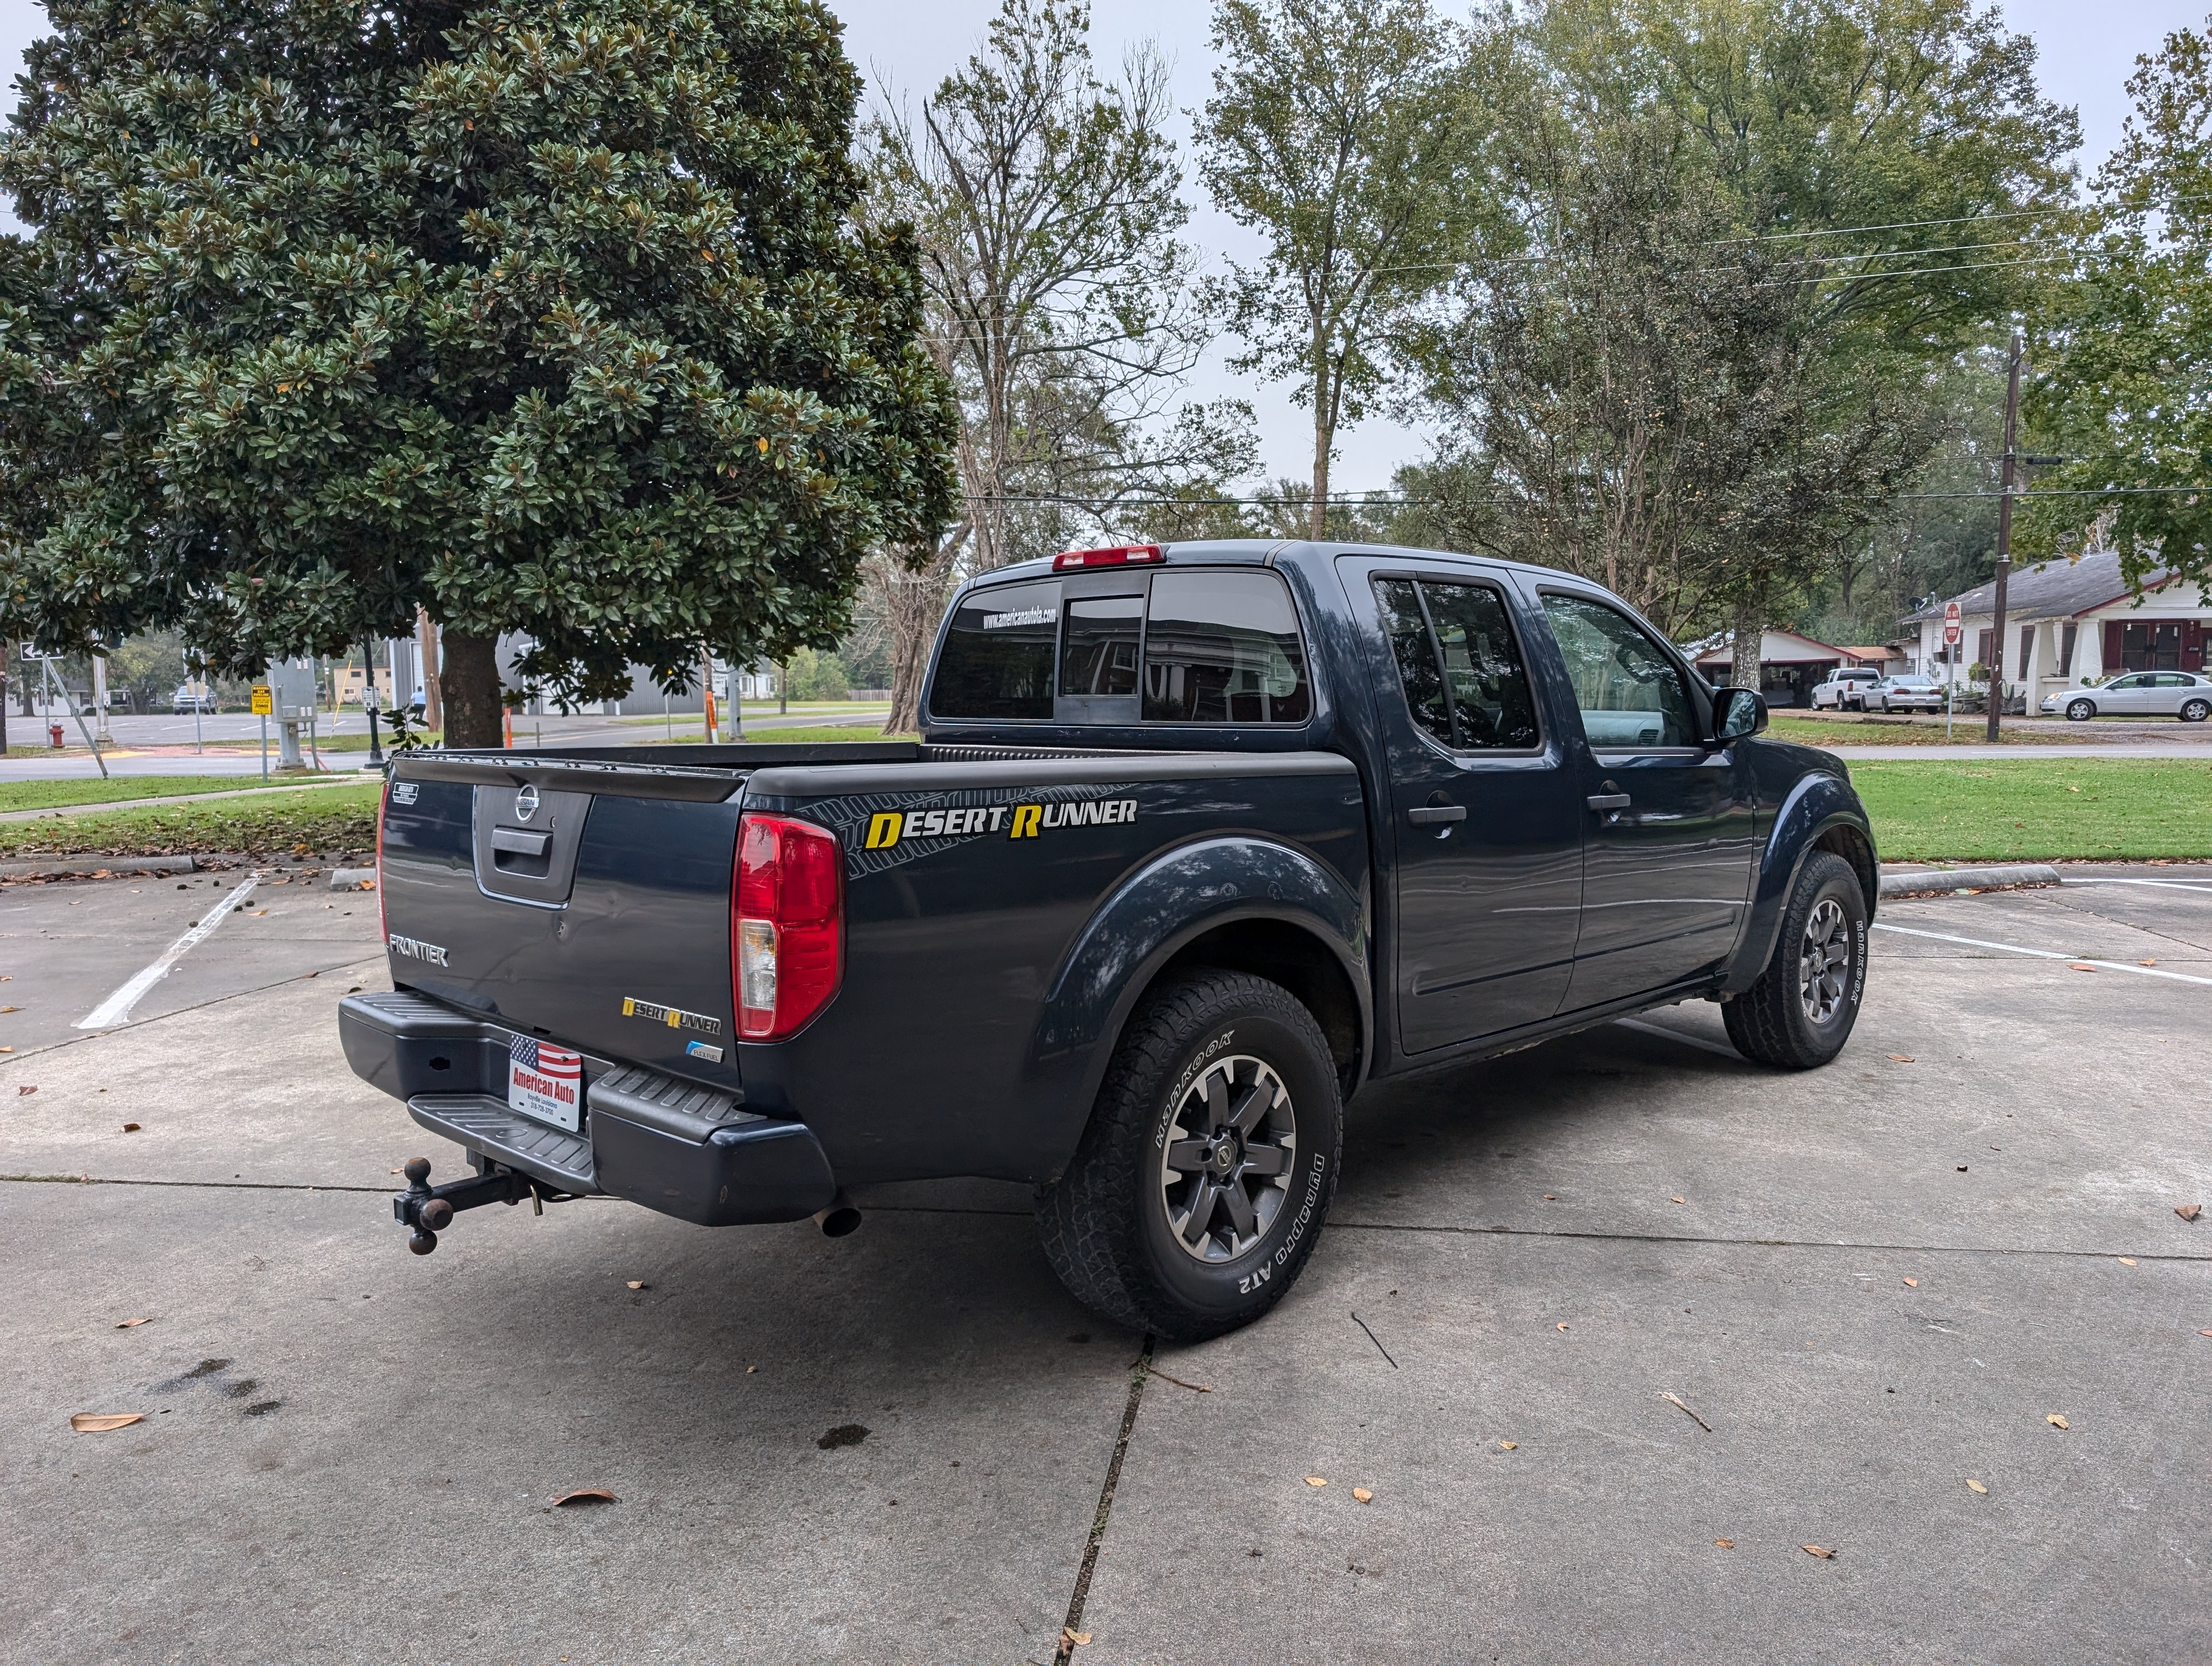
x,y
1770,1023
1105,1223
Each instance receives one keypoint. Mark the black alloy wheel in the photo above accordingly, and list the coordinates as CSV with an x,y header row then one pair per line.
x,y
1199,1189
1800,1013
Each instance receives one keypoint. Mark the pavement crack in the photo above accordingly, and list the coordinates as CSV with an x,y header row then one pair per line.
x,y
1138,1372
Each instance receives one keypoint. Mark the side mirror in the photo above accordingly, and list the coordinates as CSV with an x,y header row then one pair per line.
x,y
1737,713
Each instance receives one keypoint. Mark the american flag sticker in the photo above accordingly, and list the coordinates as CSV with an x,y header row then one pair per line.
x,y
545,1083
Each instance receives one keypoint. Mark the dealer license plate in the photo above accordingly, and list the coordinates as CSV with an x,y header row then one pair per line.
x,y
545,1083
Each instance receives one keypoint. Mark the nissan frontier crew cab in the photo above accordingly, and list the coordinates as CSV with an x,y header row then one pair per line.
x,y
1198,840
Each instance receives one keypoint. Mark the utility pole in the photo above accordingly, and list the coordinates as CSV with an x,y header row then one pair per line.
x,y
2004,535
369,701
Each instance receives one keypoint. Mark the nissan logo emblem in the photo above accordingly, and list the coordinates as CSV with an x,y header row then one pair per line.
x,y
525,804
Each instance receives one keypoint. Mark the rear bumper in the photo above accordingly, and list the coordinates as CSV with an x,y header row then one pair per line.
x,y
685,1150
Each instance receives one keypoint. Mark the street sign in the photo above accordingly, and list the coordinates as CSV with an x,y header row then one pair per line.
x,y
1952,629
263,702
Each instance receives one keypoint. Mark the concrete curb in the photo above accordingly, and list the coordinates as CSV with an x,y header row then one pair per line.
x,y
2012,876
41,866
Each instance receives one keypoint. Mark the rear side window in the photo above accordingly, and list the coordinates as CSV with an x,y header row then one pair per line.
x,y
997,661
1461,671
1223,646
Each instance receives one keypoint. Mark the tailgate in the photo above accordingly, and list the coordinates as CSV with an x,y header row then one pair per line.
x,y
586,903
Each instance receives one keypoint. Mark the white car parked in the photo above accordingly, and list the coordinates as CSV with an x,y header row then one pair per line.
x,y
2182,694
1903,694
1845,689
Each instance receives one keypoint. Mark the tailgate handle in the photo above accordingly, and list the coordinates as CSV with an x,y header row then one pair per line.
x,y
1430,813
518,841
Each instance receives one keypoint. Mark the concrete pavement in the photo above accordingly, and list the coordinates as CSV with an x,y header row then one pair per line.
x,y
350,1454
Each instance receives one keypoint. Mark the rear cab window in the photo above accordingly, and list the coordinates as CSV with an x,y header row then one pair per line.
x,y
1191,645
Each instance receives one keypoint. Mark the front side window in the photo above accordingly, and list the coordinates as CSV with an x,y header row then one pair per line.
x,y
997,661
1629,693
1222,647
1458,663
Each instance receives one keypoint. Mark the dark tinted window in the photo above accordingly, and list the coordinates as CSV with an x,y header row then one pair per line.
x,y
997,657
1464,681
1099,654
1223,648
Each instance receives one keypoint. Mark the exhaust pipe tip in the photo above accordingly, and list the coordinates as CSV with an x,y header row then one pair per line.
x,y
839,1220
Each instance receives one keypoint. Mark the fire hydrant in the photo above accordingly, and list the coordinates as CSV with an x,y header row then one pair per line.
x,y
54,733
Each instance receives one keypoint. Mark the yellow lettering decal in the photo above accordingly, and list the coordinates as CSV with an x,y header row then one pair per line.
x,y
1026,817
883,830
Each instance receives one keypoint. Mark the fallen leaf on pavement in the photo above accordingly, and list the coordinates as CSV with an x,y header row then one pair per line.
x,y
1913,1284
1822,1551
2204,1333
1975,1486
1548,1198
1725,1544
128,1324
639,1284
2127,1260
1363,1495
2153,962
1072,1638
1562,1325
1900,1058
1678,1200
27,1087
2057,1421
99,1423
2189,1211
1508,1446
2080,966
1316,1480
585,1495
130,1127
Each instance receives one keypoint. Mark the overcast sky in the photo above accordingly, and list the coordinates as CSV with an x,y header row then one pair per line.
x,y
2087,51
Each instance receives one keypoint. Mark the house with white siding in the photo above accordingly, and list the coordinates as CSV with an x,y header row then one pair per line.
x,y
2069,623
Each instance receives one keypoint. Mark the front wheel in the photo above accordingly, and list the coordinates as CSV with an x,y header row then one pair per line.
x,y
2079,711
1800,1011
1199,1186
2196,711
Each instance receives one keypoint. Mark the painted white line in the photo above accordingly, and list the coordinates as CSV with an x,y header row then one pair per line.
x,y
2163,884
116,1009
1725,1051
2047,954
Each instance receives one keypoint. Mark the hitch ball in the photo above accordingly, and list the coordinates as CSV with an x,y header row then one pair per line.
x,y
435,1216
423,1243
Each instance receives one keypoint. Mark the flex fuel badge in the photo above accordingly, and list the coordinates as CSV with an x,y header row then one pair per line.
x,y
674,1018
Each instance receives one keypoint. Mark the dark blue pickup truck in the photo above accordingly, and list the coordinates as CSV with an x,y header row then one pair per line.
x,y
1198,841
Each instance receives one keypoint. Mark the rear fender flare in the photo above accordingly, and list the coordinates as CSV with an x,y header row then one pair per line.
x,y
1817,804
1146,920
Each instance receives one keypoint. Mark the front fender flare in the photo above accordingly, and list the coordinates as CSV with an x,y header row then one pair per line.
x,y
1150,917
1816,804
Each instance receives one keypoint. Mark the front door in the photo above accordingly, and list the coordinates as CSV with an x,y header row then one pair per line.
x,y
1671,837
1485,805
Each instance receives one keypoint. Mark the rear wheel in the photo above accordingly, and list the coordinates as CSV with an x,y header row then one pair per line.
x,y
1800,1011
2195,711
1201,1185
2079,711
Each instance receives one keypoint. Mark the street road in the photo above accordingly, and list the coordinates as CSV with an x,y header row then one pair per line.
x,y
1877,1283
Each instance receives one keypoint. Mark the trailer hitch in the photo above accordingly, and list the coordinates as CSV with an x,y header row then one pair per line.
x,y
430,1209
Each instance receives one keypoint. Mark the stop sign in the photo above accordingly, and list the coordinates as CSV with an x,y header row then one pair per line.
x,y
1952,630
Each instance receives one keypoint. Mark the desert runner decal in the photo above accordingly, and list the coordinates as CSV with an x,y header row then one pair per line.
x,y
887,828
674,1018
882,830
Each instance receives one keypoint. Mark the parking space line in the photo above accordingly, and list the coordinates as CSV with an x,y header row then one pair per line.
x,y
2198,886
1725,1052
2047,954
116,1009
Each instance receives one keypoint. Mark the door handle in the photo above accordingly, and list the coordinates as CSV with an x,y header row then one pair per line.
x,y
1607,802
1429,815
515,841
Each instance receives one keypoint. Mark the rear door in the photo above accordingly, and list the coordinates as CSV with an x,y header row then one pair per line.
x,y
1670,838
1484,811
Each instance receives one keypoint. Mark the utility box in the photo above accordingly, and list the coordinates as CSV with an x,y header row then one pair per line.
x,y
293,690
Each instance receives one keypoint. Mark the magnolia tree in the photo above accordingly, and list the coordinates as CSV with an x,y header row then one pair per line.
x,y
551,316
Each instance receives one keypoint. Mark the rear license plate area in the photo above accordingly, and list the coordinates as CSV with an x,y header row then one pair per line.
x,y
545,1083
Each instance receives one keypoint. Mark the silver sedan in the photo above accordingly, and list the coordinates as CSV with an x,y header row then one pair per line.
x,y
2182,694
1903,694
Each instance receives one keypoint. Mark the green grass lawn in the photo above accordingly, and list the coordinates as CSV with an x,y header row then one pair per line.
x,y
2027,809
323,821
53,794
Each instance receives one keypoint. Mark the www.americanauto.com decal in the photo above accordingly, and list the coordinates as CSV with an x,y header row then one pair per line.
x,y
882,830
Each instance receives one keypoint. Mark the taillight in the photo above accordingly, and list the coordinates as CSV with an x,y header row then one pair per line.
x,y
1118,555
383,808
787,925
